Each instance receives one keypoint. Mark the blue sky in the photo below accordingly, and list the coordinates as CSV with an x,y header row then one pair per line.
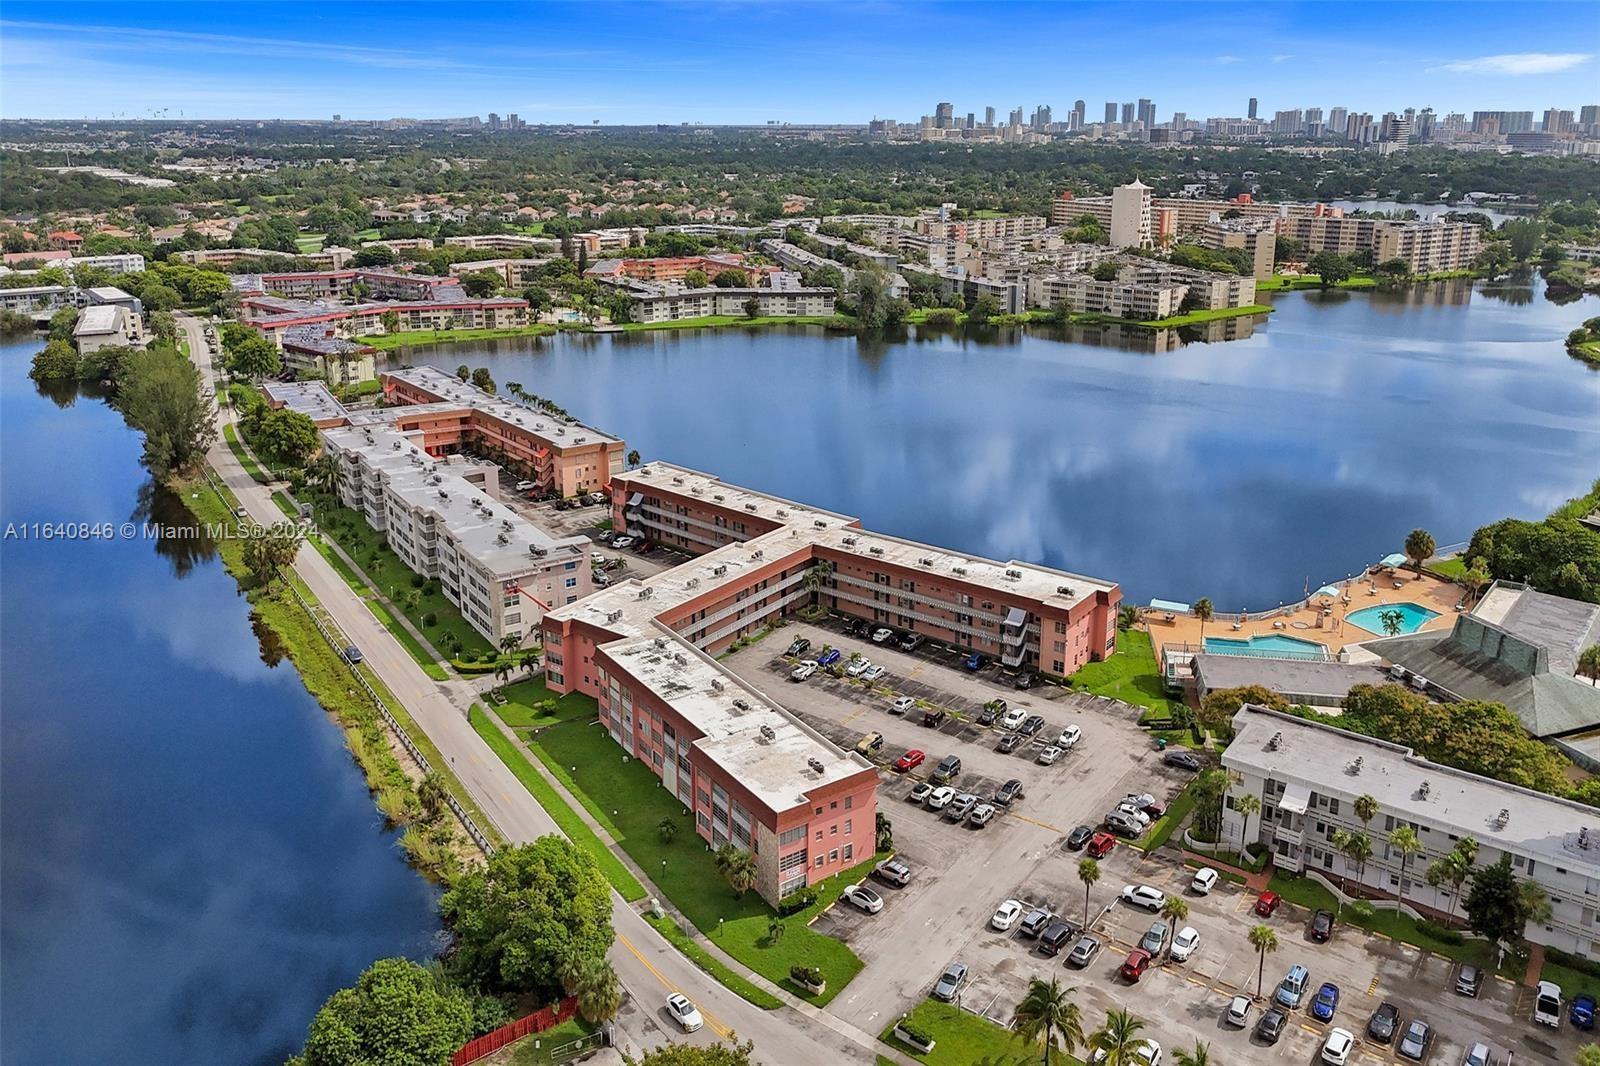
x,y
793,61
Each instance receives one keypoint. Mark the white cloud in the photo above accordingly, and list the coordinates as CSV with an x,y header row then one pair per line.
x,y
1517,63
1283,57
1228,59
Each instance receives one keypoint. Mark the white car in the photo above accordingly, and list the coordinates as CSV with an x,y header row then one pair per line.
x,y
902,705
1239,1011
1049,755
1135,813
1337,1047
597,558
623,542
1205,879
1013,718
872,673
1477,1055
940,798
981,815
684,1013
863,897
1006,915
1151,899
881,634
1147,1053
859,667
1069,738
1183,944
803,671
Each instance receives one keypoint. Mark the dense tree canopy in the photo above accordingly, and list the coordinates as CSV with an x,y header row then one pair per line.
x,y
159,394
398,1014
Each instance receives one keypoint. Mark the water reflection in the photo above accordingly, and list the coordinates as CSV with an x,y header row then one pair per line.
x,y
178,536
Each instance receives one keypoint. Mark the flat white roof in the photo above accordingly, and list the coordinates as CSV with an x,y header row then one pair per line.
x,y
310,398
100,318
557,431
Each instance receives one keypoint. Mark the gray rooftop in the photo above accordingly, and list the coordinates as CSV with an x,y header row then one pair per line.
x,y
553,429
1301,677
310,398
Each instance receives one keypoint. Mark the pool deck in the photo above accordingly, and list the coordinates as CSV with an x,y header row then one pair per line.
x,y
1311,622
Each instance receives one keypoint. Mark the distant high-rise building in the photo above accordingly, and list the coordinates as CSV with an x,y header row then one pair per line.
x,y
1313,116
944,115
1077,114
972,120
1336,121
1015,117
1396,128
1127,114
1041,117
1252,111
513,122
1506,122
1557,122
988,116
1288,123
338,118
1424,126
494,121
1111,112
1360,128
1130,215
1147,112
1180,119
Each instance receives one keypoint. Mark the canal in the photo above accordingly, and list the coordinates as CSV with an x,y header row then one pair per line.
x,y
1241,470
190,860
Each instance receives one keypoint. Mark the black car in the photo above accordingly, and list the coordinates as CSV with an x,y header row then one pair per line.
x,y
1025,680
910,642
1381,1025
1184,760
1031,725
1079,837
934,718
1008,743
1009,792
1271,1024
798,646
1057,935
987,715
352,655
854,627
1322,926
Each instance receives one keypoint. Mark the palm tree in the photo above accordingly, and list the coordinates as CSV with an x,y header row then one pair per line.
x,y
1404,840
1174,909
775,929
817,577
1264,940
1419,547
1366,808
633,458
593,983
666,829
433,796
1203,611
1088,873
1047,1015
738,867
1247,805
1200,1056
1127,616
1392,621
1119,1038
1357,847
1589,663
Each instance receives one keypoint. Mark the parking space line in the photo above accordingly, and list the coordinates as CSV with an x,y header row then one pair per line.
x,y
1033,821
1372,989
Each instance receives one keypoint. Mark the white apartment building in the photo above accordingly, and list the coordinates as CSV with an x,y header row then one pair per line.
x,y
671,304
445,520
107,325
1130,215
120,263
1308,775
1083,294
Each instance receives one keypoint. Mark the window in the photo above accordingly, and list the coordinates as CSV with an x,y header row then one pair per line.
x,y
849,801
833,856
833,830
849,852
792,836
819,857
847,826
833,806
572,582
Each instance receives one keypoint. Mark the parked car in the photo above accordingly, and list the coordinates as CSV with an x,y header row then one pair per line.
x,y
804,671
1009,793
1381,1026
684,1013
894,872
910,760
624,541
798,646
1084,951
597,558
1273,1021
1146,1053
987,714
1101,845
1321,926
829,657
948,769
854,627
961,806
1034,922
910,642
1136,814
1239,1008
1581,1013
1547,1004
858,667
1025,680
1009,743
1292,989
1336,1047
1477,1055
606,536
863,897
1267,904
1144,896
881,634
1006,915
1325,1002
902,704
1079,836
1069,738
1183,760
1205,879
1134,966
872,673
934,717
982,815
1416,1039
1123,824
1154,938
1013,717
950,982
1049,755
974,662
919,792
1055,937
1469,980
940,798
870,744
1031,725
1184,944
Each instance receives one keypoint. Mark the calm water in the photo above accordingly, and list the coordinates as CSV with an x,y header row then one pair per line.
x,y
1237,470
190,861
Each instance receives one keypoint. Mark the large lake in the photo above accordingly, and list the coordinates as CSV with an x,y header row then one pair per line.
x,y
1240,470
190,861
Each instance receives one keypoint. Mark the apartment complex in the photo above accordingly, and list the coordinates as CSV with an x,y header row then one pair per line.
x,y
331,258
1427,247
107,325
1255,237
1130,216
1307,776
669,304
274,316
318,350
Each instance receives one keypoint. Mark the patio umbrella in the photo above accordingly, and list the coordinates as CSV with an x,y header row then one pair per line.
x,y
1392,560
1328,590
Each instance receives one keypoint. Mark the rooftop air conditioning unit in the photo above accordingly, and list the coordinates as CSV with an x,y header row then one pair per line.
x,y
613,616
505,524
680,660
444,494
926,560
719,497
815,764
759,553
960,571
580,440
876,549
660,642
1276,742
782,513
696,489
539,550
851,539
397,445
1013,573
750,507
644,593
503,539
676,480
1065,590
716,686
719,570
742,703
819,523
768,733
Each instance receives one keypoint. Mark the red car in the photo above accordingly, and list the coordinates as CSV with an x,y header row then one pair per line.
x,y
1134,966
1100,845
1267,904
910,760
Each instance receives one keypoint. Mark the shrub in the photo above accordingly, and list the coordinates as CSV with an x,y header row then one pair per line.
x,y
915,1033
430,620
806,975
798,902
417,581
1590,967
1443,934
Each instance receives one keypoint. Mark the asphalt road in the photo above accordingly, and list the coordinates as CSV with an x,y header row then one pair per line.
x,y
647,965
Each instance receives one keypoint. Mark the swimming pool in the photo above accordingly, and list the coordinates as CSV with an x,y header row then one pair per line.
x,y
1276,645
1412,617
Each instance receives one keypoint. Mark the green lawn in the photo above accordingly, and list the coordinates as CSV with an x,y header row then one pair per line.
x,y
1131,675
708,962
1192,317
520,709
371,234
288,509
389,341
1163,828
575,828
535,1050
964,1039
310,242
623,795
1449,568
1572,982
250,467
1391,923
429,664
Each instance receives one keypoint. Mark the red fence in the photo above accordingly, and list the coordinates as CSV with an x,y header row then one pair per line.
x,y
537,1022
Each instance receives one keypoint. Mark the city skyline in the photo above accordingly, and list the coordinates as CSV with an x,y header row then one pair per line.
x,y
667,64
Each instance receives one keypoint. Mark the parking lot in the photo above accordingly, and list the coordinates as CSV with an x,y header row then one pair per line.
x,y
584,521
961,874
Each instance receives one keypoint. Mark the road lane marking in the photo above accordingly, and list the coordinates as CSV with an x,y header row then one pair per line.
x,y
716,1026
1032,821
